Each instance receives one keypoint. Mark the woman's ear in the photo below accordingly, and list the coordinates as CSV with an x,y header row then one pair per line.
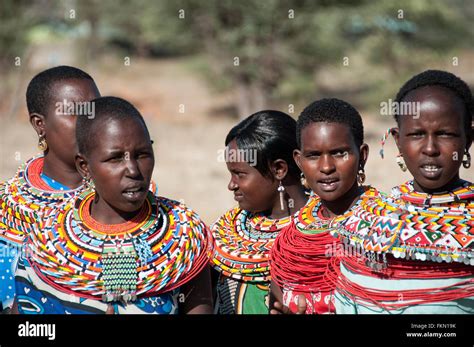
x,y
297,158
279,169
364,155
82,165
38,123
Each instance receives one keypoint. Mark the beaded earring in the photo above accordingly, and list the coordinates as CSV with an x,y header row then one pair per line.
x,y
466,163
361,176
42,144
383,140
281,190
401,162
87,183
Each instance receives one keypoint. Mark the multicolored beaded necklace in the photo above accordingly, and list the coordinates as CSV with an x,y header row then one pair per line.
x,y
161,248
407,193
416,226
302,252
242,244
25,198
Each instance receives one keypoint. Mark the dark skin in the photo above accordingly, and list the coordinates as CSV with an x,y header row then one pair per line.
x,y
257,193
433,144
330,160
121,165
59,130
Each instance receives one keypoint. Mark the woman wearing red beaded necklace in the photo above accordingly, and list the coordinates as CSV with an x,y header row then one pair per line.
x,y
424,232
332,157
116,247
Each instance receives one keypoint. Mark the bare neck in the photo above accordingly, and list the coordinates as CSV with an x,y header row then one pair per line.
x,y
61,172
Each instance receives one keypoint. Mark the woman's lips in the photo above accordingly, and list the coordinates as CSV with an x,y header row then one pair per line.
x,y
328,185
238,197
134,194
431,170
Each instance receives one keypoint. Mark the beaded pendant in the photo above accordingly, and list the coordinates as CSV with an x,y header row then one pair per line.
x,y
119,271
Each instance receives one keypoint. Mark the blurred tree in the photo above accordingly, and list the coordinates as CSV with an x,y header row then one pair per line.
x,y
267,51
14,25
258,44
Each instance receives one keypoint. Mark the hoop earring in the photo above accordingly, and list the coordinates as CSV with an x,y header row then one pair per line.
x,y
401,162
281,190
42,144
361,176
303,181
466,163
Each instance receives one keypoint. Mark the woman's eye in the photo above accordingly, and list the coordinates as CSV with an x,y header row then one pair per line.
x,y
239,174
115,158
341,154
312,155
447,134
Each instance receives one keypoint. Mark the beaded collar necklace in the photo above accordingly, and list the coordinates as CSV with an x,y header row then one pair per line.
x,y
407,193
28,178
160,249
311,221
442,232
25,198
242,244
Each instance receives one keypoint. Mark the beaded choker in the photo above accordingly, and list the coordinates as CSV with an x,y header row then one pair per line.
x,y
83,213
162,248
310,219
407,193
242,243
438,232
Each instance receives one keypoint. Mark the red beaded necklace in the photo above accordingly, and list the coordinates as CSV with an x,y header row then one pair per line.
x,y
34,175
135,223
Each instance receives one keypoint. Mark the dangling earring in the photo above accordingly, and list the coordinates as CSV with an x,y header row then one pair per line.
x,y
466,163
361,176
303,181
384,139
87,183
401,162
42,144
281,190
